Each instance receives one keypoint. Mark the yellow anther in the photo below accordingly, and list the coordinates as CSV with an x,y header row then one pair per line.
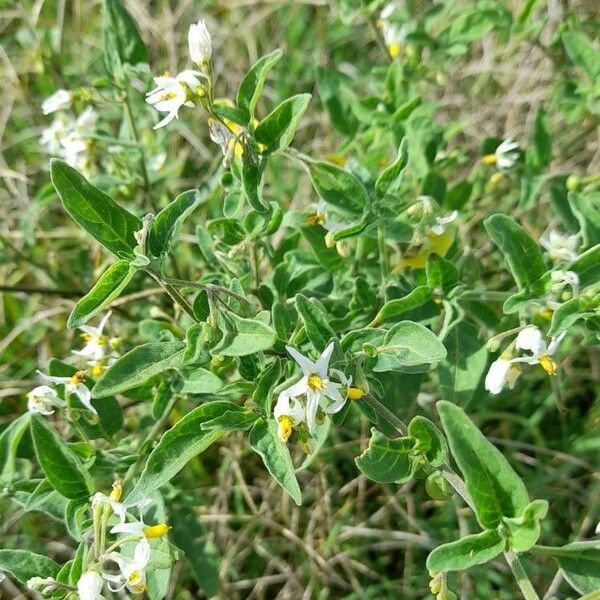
x,y
78,378
489,159
168,96
156,531
355,393
548,364
117,491
136,581
496,178
394,49
316,219
284,429
316,383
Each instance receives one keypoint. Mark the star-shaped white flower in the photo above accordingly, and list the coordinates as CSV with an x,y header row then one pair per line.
x,y
132,571
560,247
315,384
96,343
289,413
171,93
60,100
74,385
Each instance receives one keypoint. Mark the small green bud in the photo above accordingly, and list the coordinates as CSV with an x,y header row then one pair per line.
x,y
573,182
226,179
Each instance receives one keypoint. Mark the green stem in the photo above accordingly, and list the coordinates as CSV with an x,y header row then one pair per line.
x,y
137,141
521,576
175,295
387,414
383,261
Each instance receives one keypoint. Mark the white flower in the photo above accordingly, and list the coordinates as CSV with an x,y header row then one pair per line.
x,y
289,413
322,217
171,93
440,223
60,100
89,586
530,339
138,527
560,247
74,385
42,399
500,373
507,154
132,571
96,343
315,384
200,45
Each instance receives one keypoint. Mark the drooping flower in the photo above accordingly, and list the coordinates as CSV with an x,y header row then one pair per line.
x,y
138,527
132,571
200,46
171,93
560,247
316,385
89,586
74,385
96,343
60,100
43,399
439,225
503,370
289,413
505,155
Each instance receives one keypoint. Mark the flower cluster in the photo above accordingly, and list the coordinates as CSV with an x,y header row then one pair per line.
x,y
97,354
301,402
186,88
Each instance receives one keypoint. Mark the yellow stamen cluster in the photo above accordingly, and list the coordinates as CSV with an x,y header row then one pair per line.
x,y
285,428
117,491
354,393
394,49
136,581
156,531
316,219
489,159
316,383
97,370
548,364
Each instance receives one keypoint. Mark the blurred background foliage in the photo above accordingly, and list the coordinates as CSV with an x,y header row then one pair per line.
x,y
463,72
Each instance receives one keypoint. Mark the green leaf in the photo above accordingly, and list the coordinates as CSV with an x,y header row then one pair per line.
x,y
336,93
467,552
200,381
165,227
582,53
525,530
567,314
579,563
23,565
442,276
276,456
252,182
587,267
252,85
138,366
388,460
390,180
409,347
61,465
587,211
242,336
463,368
95,211
521,252
429,440
190,536
238,419
338,187
111,283
266,382
10,438
394,308
316,322
497,491
122,41
539,153
178,446
276,131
